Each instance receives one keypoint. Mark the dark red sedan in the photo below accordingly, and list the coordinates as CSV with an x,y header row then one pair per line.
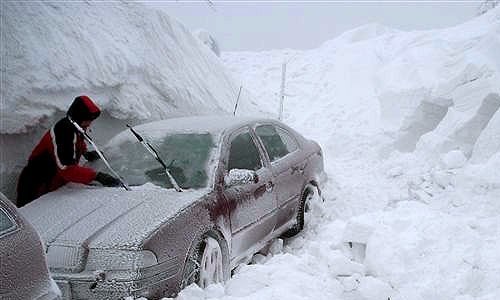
x,y
244,182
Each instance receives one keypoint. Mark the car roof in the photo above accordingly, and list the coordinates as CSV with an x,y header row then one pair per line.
x,y
213,124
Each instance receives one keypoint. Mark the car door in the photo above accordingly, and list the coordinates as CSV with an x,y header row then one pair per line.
x,y
287,164
251,205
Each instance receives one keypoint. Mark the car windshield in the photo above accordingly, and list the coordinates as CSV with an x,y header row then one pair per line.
x,y
186,155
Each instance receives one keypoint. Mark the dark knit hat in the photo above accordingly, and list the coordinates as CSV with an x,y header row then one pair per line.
x,y
83,109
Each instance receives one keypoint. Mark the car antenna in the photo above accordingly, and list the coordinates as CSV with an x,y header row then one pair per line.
x,y
89,139
237,100
153,152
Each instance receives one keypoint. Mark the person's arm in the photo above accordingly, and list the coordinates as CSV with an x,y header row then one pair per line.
x,y
64,140
76,173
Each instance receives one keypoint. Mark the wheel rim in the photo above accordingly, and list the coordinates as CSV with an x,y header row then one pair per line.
x,y
211,263
307,201
306,209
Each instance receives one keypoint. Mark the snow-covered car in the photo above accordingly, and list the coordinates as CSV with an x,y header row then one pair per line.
x,y
244,182
23,269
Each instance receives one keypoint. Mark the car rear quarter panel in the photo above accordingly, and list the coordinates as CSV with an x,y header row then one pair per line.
x,y
313,155
315,164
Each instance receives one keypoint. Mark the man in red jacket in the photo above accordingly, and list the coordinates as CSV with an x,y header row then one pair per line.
x,y
55,160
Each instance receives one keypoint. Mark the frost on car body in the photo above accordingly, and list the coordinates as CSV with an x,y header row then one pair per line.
x,y
23,269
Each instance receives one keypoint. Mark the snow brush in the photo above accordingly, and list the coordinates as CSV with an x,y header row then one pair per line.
x,y
89,139
156,156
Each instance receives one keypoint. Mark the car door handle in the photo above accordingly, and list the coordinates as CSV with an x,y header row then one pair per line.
x,y
298,169
269,186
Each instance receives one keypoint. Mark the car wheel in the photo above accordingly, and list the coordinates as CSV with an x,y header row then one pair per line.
x,y
208,262
303,207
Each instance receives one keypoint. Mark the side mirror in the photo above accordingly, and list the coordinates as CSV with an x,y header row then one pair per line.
x,y
240,177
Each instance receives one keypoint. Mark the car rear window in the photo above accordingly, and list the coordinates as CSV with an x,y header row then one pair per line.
x,y
277,142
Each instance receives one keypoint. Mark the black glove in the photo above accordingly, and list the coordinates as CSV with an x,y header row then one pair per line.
x,y
91,156
107,180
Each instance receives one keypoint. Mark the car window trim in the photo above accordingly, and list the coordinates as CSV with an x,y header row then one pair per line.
x,y
260,146
11,229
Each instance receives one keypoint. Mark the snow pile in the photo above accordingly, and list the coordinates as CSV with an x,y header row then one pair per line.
x,y
137,63
376,92
410,127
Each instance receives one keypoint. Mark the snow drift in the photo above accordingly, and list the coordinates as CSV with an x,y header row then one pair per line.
x,y
137,63
424,89
410,124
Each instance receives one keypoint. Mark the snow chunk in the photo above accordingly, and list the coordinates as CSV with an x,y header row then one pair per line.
x,y
276,246
358,230
371,288
454,159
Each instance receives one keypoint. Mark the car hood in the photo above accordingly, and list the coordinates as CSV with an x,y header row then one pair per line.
x,y
97,217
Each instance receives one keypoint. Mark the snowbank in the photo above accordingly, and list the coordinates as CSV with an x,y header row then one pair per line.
x,y
410,127
431,90
137,63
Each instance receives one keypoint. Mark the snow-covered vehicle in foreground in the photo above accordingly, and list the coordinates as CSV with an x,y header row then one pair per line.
x,y
23,268
244,182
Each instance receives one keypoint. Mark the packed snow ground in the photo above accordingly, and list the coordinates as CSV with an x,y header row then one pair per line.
x,y
410,127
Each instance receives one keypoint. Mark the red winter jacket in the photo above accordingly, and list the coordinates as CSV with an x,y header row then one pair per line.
x,y
54,161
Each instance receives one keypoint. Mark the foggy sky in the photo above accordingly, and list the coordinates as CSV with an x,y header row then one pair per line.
x,y
268,25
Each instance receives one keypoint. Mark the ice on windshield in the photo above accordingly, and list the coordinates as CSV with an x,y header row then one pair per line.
x,y
186,156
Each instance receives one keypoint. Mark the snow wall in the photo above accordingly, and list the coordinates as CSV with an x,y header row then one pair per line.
x,y
409,123
431,91
137,63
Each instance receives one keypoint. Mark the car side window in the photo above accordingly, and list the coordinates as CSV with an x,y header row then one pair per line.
x,y
243,153
288,140
276,141
6,223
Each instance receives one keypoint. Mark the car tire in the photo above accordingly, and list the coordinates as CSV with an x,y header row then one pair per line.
x,y
307,194
208,262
